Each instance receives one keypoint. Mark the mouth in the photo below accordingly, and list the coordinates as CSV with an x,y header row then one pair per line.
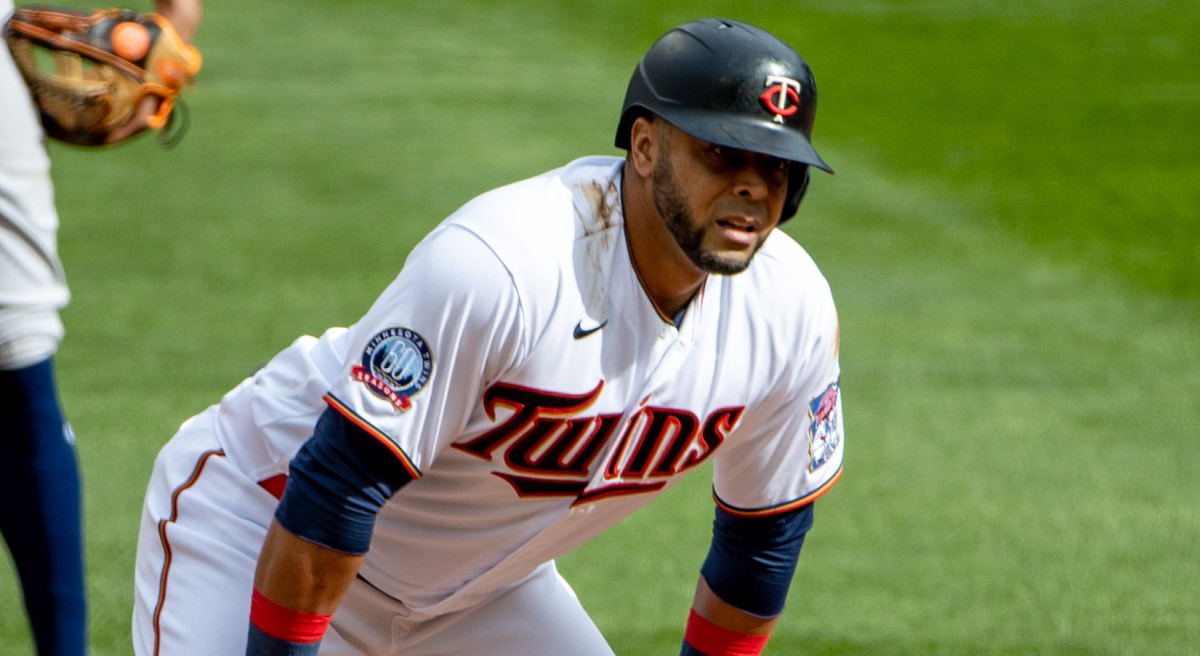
x,y
739,228
737,223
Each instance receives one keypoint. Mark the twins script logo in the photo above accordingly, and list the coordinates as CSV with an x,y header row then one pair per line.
x,y
782,96
549,449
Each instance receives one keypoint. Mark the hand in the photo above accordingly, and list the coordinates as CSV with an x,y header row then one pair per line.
x,y
184,16
139,123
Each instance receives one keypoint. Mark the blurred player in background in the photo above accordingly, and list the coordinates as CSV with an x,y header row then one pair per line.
x,y
40,516
552,357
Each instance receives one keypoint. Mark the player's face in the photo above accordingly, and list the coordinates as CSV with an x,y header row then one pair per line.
x,y
719,203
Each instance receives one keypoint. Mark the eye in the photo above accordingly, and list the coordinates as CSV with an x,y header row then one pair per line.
x,y
775,170
727,156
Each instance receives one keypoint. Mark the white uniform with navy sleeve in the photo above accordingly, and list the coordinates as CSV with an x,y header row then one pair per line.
x,y
521,374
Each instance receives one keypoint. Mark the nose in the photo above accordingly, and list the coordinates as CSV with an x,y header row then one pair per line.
x,y
751,186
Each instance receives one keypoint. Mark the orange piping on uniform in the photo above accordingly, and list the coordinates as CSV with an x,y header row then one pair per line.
x,y
166,545
776,510
346,412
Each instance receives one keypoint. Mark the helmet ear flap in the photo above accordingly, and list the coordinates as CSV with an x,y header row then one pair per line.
x,y
797,187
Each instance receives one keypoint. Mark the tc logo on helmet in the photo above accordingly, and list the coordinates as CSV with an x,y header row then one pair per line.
x,y
782,96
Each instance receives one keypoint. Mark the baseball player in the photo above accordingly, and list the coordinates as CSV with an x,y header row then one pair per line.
x,y
43,530
552,357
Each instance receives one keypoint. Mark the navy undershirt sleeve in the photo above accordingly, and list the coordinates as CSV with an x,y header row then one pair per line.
x,y
258,643
751,560
336,485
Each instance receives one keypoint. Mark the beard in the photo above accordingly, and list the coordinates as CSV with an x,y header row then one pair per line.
x,y
671,205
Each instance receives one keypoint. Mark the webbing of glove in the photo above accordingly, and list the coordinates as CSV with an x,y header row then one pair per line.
x,y
132,56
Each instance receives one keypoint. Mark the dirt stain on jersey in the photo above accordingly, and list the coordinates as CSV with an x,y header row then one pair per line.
x,y
604,203
598,210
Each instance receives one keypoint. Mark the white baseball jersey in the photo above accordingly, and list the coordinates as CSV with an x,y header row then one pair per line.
x,y
30,272
519,371
32,284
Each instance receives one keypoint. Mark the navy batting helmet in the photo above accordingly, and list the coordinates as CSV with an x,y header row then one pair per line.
x,y
734,85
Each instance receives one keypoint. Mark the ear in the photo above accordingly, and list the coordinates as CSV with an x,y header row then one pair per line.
x,y
643,145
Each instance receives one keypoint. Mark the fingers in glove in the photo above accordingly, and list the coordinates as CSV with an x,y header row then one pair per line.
x,y
139,123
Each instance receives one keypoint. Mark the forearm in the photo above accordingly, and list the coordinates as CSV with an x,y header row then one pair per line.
x,y
184,15
297,587
300,575
717,628
708,605
744,582
322,530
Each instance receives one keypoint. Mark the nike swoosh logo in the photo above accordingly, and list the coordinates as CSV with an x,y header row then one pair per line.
x,y
581,332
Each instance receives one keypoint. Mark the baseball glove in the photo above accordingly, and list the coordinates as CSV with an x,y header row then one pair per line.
x,y
88,70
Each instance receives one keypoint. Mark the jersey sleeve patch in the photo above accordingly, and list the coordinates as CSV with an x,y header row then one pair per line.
x,y
395,366
825,426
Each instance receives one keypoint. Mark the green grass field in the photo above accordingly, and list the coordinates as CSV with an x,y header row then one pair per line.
x,y
1012,236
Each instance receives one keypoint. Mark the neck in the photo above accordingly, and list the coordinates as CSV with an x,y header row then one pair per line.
x,y
667,275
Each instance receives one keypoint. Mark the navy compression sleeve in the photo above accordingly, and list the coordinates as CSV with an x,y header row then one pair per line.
x,y
261,643
336,485
751,560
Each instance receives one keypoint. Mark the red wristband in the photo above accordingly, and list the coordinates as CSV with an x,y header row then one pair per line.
x,y
285,623
713,640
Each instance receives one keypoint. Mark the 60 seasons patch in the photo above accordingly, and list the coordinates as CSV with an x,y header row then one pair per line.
x,y
395,366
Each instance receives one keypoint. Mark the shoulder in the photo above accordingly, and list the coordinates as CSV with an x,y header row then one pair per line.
x,y
784,275
552,199
532,221
512,249
535,228
781,308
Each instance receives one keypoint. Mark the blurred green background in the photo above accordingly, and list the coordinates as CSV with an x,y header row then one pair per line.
x,y
1011,236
